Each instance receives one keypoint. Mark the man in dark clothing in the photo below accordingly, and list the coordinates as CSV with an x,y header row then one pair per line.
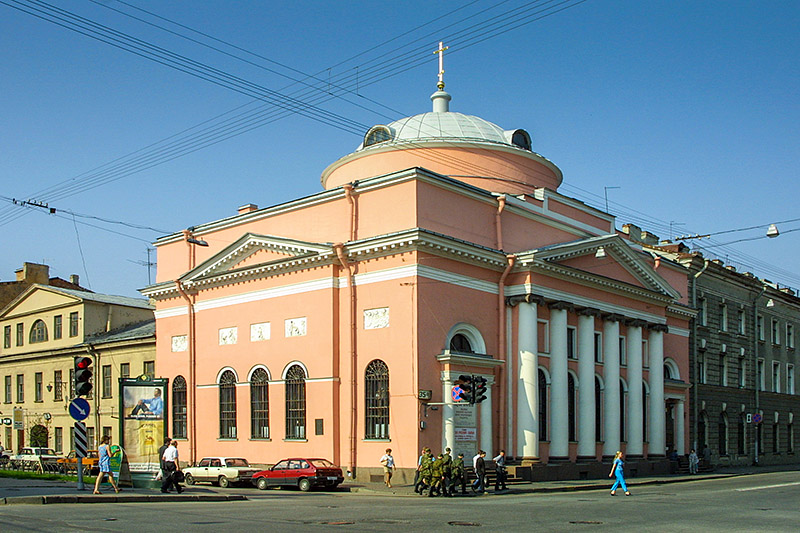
x,y
480,472
161,451
459,474
500,471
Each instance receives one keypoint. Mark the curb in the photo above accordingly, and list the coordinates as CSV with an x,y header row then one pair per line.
x,y
132,498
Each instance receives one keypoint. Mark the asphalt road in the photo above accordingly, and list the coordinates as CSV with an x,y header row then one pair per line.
x,y
762,503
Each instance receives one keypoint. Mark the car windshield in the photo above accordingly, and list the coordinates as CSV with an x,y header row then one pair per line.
x,y
237,462
321,463
45,451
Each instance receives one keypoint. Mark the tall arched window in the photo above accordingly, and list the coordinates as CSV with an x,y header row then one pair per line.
x,y
376,400
259,404
179,407
296,403
702,431
460,343
723,434
740,441
38,332
542,406
598,410
571,406
227,405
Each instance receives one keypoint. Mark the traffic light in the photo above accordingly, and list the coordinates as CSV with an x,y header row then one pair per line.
x,y
465,382
83,375
478,388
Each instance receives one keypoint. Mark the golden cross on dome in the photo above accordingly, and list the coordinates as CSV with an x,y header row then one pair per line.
x,y
440,51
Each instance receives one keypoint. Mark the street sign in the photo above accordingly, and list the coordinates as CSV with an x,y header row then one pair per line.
x,y
80,439
79,409
757,418
456,393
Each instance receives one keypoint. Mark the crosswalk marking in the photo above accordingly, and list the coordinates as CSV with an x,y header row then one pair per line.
x,y
769,486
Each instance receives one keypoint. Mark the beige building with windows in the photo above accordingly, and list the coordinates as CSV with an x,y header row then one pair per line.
x,y
43,329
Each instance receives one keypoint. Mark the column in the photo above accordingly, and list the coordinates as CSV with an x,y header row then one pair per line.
x,y
586,408
528,383
611,397
448,413
656,423
559,404
635,406
680,444
486,420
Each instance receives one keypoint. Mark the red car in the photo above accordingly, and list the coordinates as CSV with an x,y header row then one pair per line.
x,y
300,473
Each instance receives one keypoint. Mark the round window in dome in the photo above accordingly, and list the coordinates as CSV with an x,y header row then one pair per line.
x,y
522,139
377,134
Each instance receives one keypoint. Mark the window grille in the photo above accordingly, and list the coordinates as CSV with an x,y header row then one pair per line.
x,y
227,405
376,386
259,404
179,407
296,403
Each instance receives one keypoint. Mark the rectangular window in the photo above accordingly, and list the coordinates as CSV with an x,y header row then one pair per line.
x,y
7,337
723,370
776,332
703,318
598,347
125,370
571,352
90,438
723,317
742,318
71,382
59,440
106,381
57,327
701,367
107,431
742,373
623,357
149,368
760,327
37,387
645,354
789,378
776,376
543,336
58,392
760,374
72,437
790,335
73,324
20,388
20,334
8,390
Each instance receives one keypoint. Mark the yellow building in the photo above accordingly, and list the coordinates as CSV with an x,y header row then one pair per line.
x,y
43,329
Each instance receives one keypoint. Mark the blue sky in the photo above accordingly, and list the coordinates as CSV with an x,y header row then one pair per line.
x,y
690,108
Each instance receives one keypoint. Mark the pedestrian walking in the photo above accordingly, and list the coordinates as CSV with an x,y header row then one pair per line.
x,y
417,481
459,475
161,450
616,470
500,471
172,466
437,476
426,472
447,472
104,464
388,467
479,485
694,461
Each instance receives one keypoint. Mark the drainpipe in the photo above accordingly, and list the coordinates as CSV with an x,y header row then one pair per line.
x,y
756,381
501,205
96,396
695,407
191,386
348,193
501,341
339,248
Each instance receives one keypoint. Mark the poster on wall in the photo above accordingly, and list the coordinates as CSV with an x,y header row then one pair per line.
x,y
144,421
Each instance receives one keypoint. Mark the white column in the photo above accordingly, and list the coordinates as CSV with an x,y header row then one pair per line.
x,y
559,404
448,414
486,420
611,396
657,444
586,407
528,383
635,407
680,428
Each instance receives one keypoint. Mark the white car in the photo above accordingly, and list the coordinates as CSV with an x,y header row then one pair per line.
x,y
34,454
222,471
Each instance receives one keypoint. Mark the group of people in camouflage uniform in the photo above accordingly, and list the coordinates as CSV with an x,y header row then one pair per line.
x,y
440,476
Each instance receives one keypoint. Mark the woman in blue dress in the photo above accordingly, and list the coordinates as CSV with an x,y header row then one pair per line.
x,y
616,470
104,463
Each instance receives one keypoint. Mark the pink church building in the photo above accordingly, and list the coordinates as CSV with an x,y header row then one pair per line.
x,y
335,325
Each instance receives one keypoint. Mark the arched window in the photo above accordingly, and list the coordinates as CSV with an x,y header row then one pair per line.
x,y
702,431
460,343
740,440
259,404
376,400
571,406
622,400
598,410
227,405
522,139
179,407
775,439
296,403
377,134
723,434
38,332
542,406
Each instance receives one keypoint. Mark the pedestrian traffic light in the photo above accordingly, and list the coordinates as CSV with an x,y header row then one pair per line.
x,y
465,382
478,388
83,376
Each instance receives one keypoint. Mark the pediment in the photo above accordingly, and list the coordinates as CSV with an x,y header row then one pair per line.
x,y
617,261
253,251
36,298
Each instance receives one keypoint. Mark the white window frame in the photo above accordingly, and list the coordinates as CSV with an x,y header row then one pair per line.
x,y
701,368
760,327
723,317
789,378
572,342
703,312
598,346
742,373
724,366
623,354
776,376
760,379
544,339
742,322
776,332
790,335
645,354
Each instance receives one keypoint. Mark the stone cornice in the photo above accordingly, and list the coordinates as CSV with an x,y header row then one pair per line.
x,y
480,361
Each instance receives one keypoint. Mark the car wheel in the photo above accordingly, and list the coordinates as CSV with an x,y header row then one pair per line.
x,y
262,483
224,482
189,479
304,484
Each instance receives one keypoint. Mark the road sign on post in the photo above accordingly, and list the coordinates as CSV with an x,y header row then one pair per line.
x,y
79,409
80,450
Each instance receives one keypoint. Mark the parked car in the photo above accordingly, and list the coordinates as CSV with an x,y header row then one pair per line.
x,y
70,462
222,471
301,473
35,454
